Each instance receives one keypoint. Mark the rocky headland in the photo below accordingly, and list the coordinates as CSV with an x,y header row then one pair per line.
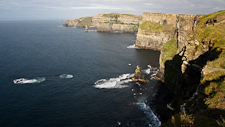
x,y
192,61
113,22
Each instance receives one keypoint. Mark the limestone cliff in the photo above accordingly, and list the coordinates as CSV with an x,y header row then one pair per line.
x,y
192,66
158,28
113,22
81,22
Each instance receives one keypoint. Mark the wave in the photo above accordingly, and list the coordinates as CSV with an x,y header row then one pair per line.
x,y
154,72
26,81
153,120
132,47
92,30
147,71
66,76
114,82
119,82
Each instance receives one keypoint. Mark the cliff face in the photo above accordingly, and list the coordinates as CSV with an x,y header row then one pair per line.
x,y
152,39
71,22
114,22
149,37
193,69
81,22
119,23
116,28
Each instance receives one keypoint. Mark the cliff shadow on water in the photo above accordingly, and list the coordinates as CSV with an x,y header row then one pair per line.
x,y
180,89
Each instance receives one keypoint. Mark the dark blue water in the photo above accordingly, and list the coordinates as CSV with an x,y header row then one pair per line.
x,y
44,50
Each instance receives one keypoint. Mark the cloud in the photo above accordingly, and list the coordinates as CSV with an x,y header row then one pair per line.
x,y
93,7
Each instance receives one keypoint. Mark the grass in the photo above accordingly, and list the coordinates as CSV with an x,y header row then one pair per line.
x,y
148,25
169,50
111,15
134,16
203,19
151,26
212,76
115,15
85,21
119,22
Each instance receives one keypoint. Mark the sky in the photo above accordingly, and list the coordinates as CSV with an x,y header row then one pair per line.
x,y
70,9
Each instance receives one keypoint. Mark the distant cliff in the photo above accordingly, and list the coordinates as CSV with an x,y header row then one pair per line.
x,y
81,22
113,22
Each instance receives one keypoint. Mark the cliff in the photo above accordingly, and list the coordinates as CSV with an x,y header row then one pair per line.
x,y
192,62
81,22
113,22
159,28
192,66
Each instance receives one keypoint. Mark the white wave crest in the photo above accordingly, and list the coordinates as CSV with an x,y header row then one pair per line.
x,y
154,72
26,81
147,71
114,82
131,47
66,76
153,120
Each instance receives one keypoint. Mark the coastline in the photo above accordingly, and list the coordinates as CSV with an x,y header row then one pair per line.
x,y
191,63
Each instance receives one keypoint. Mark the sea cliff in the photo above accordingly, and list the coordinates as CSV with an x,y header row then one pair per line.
x,y
192,67
159,28
113,22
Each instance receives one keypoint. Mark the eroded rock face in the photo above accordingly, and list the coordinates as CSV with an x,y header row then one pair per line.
x,y
174,26
161,18
71,22
152,39
114,22
96,19
119,23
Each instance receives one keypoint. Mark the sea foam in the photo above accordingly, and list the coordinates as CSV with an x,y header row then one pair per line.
x,y
27,81
119,81
111,83
66,76
153,120
132,47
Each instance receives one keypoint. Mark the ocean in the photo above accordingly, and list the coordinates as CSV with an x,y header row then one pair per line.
x,y
55,76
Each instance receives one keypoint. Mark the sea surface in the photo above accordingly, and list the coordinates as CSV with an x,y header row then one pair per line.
x,y
55,76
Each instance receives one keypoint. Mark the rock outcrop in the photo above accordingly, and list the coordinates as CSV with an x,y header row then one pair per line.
x,y
138,75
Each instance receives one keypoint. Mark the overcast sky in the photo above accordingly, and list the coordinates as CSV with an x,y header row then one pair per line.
x,y
69,9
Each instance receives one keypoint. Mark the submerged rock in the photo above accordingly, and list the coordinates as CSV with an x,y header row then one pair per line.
x,y
138,76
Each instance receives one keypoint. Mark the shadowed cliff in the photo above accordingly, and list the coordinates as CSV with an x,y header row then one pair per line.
x,y
193,73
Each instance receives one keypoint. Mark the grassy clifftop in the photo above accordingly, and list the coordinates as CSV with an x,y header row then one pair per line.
x,y
84,21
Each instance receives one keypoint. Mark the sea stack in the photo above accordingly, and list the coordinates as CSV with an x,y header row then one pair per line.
x,y
86,28
139,76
